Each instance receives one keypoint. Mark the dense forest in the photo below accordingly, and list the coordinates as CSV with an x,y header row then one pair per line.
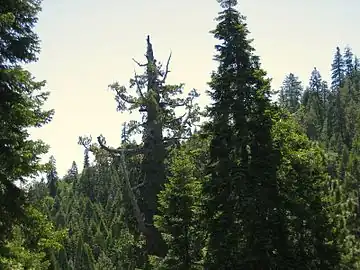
x,y
259,179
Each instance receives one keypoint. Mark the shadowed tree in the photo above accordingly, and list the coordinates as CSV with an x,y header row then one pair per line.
x,y
21,101
241,194
161,128
52,177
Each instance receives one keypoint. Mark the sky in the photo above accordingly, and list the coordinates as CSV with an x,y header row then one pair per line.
x,y
89,44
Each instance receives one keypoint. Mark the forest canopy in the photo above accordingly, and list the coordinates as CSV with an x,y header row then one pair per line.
x,y
256,180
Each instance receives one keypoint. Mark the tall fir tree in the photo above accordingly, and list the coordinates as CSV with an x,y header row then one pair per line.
x,y
178,218
356,63
315,103
315,81
72,173
21,101
290,93
348,61
337,70
243,226
52,177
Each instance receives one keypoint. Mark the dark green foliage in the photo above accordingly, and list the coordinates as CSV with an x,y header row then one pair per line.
x,y
21,101
32,243
242,191
290,93
72,174
337,69
339,136
18,41
349,62
52,177
257,187
314,106
180,207
303,185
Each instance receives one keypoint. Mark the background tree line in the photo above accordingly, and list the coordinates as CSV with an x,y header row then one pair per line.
x,y
256,185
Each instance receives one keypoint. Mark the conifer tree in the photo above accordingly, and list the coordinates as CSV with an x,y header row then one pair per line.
x,y
348,61
72,173
243,226
337,70
303,184
179,207
52,177
315,105
356,63
290,93
348,199
21,101
315,81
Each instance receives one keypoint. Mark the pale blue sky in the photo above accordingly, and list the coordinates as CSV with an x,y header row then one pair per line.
x,y
88,44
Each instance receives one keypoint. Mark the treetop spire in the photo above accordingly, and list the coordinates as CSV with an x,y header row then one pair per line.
x,y
227,3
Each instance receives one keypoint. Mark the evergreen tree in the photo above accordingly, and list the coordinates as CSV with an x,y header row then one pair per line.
x,y
303,184
348,61
21,101
315,82
72,173
356,63
337,70
244,229
349,201
86,159
179,207
52,177
315,106
290,93
32,243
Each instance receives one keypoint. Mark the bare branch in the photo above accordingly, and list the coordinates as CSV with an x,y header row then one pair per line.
x,y
85,141
118,151
166,69
140,65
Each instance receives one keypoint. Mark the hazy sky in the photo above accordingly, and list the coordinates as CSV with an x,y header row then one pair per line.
x,y
88,44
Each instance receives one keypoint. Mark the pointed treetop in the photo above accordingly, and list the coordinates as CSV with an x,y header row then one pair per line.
x,y
227,3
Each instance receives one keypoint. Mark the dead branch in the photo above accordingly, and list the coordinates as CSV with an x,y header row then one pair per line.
x,y
166,69
118,151
140,65
136,209
85,142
